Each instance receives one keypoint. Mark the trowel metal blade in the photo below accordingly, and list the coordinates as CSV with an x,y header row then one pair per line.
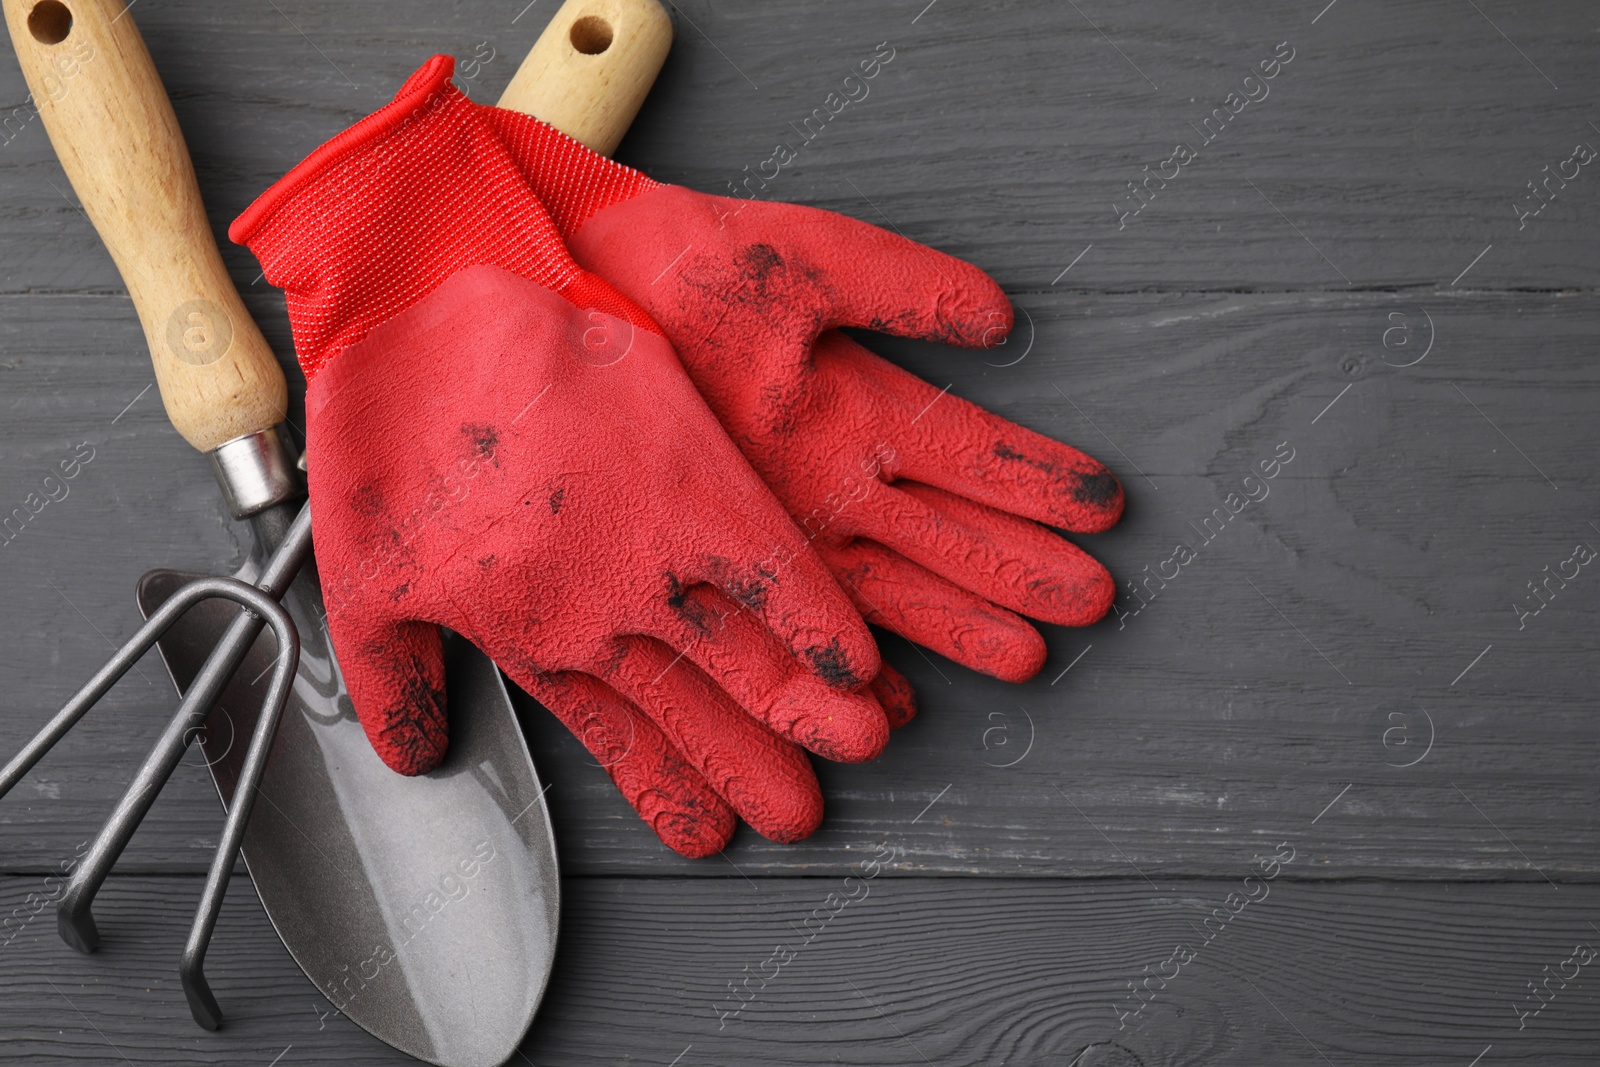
x,y
425,909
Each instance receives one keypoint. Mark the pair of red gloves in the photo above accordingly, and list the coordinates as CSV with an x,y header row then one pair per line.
x,y
495,325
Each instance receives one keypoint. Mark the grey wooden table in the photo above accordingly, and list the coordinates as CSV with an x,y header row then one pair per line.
x,y
1351,683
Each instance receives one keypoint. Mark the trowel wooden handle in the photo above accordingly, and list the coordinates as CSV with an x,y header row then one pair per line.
x,y
591,69
112,125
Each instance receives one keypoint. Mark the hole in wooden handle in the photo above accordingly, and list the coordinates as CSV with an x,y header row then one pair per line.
x,y
590,35
50,21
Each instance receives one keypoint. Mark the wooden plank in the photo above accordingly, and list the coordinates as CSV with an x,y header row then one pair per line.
x,y
912,971
1397,142
1394,544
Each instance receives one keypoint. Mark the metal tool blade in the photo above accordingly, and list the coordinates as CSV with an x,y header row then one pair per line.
x,y
424,908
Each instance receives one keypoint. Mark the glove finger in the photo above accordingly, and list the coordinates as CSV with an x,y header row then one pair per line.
x,y
790,590
953,444
892,691
394,670
671,796
767,780
1013,562
899,595
882,281
742,656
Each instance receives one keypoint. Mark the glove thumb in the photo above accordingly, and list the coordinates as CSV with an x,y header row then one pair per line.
x,y
394,670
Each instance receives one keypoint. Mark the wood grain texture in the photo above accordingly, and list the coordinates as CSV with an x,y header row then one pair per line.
x,y
946,971
1397,141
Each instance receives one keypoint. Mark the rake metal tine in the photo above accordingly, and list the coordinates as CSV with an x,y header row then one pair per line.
x,y
202,1003
74,919
85,698
260,602
97,686
285,563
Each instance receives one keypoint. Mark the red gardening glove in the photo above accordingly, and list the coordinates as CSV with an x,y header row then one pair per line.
x,y
500,443
920,502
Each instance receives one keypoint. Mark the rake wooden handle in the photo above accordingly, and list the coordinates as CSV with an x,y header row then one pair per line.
x,y
591,69
113,128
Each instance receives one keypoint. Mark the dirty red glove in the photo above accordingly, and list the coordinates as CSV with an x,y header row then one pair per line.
x,y
920,502
500,443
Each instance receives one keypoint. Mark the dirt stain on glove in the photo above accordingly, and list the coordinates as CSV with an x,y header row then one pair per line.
x,y
829,663
1098,488
484,439
1101,489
